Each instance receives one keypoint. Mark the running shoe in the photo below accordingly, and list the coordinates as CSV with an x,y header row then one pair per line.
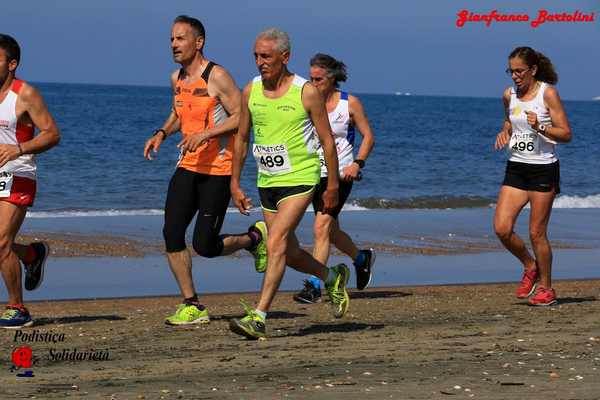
x,y
337,292
34,272
528,283
15,318
188,314
260,250
309,295
543,297
365,271
252,326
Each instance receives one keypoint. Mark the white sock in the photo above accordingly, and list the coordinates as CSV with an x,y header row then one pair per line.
x,y
261,314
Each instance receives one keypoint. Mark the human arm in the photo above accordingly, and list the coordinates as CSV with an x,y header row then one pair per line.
x,y
31,109
171,125
359,119
559,131
315,106
503,137
240,152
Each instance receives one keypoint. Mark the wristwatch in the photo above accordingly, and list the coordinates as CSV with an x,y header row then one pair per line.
x,y
542,128
361,163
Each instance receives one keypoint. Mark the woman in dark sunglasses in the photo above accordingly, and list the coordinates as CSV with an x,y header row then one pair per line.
x,y
534,122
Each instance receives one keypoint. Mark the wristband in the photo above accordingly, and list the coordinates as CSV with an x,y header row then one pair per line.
x,y
360,163
161,130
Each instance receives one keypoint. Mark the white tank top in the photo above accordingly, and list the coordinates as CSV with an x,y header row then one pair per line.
x,y
527,145
343,134
13,132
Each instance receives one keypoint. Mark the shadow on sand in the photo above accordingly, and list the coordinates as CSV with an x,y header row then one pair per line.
x,y
76,319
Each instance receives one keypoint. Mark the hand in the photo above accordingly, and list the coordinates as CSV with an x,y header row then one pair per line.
x,y
502,139
243,203
351,172
192,142
330,200
8,152
532,120
152,144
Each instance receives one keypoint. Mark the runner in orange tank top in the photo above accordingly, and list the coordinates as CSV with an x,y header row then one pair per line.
x,y
198,111
206,107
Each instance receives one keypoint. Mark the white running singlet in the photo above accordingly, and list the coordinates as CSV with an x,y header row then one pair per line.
x,y
13,132
526,144
343,134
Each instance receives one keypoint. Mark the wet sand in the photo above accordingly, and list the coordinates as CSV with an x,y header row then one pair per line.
x,y
427,342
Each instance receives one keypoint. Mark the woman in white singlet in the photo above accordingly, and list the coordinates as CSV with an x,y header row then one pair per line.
x,y
346,116
534,122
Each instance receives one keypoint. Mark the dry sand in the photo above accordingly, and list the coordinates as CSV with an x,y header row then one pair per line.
x,y
439,342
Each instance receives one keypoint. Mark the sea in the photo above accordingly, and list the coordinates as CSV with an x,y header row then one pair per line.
x,y
430,153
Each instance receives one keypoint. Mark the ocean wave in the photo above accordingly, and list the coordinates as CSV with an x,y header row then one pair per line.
x,y
424,202
592,201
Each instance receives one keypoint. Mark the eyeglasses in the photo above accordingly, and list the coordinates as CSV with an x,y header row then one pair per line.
x,y
316,79
518,72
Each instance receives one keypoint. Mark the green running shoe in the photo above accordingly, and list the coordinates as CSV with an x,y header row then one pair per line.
x,y
260,251
337,292
252,326
188,314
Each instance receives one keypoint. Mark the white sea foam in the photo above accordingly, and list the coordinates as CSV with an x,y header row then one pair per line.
x,y
140,212
592,201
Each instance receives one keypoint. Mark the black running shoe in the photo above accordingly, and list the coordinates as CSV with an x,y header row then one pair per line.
x,y
309,295
34,272
364,272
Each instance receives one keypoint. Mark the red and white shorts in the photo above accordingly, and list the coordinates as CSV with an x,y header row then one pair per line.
x,y
22,192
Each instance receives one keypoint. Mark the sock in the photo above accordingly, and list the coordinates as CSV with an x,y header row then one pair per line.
x,y
360,259
316,282
255,237
20,307
30,255
193,301
261,314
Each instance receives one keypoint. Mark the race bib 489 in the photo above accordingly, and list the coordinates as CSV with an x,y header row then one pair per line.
x,y
272,159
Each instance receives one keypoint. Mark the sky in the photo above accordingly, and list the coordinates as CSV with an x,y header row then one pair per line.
x,y
388,45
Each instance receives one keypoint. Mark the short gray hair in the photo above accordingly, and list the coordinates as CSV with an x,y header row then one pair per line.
x,y
281,38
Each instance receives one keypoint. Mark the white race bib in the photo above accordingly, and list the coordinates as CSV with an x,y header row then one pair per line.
x,y
6,181
525,142
272,159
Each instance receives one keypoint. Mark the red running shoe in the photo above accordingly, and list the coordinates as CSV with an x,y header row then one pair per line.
x,y
528,283
543,297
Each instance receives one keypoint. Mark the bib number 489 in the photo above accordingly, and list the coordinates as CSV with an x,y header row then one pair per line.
x,y
272,161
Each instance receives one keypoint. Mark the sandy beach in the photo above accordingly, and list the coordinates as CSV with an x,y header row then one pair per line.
x,y
427,342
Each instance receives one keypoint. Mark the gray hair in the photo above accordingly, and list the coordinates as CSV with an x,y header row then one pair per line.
x,y
281,38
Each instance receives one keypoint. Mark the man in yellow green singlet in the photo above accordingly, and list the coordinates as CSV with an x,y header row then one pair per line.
x,y
285,111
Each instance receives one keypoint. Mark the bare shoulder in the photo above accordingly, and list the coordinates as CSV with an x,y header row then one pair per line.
x,y
247,89
29,94
309,92
551,93
506,93
354,101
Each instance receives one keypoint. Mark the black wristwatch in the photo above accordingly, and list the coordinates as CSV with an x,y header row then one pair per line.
x,y
361,163
161,130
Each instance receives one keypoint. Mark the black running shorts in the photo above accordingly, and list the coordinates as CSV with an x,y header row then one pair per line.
x,y
271,197
533,177
344,191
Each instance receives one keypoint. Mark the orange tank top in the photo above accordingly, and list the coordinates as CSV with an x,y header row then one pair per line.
x,y
197,111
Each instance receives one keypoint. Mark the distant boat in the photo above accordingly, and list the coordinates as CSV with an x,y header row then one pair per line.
x,y
398,93
407,94
593,98
402,94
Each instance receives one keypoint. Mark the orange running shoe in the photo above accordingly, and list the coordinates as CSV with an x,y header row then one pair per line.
x,y
528,283
543,297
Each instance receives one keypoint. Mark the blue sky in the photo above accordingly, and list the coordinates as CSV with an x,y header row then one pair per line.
x,y
388,46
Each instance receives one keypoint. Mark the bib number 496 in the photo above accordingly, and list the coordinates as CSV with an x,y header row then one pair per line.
x,y
523,146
